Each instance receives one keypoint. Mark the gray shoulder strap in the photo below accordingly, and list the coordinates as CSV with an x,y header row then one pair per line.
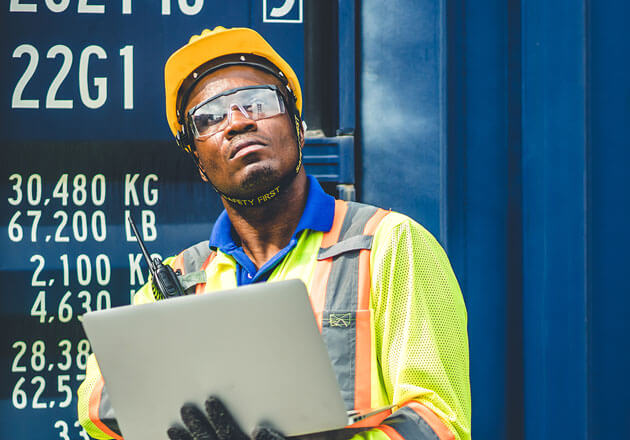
x,y
339,318
195,256
351,236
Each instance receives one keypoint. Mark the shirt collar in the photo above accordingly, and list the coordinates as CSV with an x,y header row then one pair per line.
x,y
318,215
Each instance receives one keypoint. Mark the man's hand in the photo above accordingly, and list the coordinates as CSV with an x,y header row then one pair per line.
x,y
217,424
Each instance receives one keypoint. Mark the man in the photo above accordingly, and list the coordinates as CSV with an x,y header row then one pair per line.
x,y
382,289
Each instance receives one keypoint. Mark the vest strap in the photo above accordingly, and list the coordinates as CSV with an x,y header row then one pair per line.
x,y
192,279
340,297
348,245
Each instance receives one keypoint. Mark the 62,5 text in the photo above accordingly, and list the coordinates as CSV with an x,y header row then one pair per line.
x,y
38,364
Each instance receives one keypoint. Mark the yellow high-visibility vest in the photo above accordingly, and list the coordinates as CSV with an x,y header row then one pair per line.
x,y
390,311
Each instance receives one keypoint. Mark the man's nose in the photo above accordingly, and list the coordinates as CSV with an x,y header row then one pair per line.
x,y
239,122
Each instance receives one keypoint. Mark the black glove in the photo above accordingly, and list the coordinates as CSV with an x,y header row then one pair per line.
x,y
217,425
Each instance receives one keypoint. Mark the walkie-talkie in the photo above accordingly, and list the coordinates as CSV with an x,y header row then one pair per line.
x,y
165,282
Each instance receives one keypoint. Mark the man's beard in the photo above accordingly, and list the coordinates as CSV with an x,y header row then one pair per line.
x,y
259,180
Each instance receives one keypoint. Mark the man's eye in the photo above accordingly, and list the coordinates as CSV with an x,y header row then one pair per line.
x,y
209,119
256,108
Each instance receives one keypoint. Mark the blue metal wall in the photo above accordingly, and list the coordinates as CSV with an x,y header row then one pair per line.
x,y
608,214
502,126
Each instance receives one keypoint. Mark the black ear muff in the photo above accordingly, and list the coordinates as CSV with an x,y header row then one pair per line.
x,y
179,138
185,140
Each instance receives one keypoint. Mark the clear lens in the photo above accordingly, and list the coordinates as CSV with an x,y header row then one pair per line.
x,y
255,103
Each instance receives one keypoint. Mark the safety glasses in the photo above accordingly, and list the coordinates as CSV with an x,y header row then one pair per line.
x,y
253,102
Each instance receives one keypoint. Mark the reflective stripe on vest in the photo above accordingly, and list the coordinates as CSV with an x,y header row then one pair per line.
x,y
340,295
192,264
415,420
101,412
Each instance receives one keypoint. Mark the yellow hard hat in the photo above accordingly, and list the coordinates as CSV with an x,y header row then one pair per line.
x,y
213,44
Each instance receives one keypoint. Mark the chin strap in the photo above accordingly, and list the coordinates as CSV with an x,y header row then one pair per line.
x,y
265,196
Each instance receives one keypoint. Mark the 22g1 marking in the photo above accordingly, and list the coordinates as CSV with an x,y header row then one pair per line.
x,y
85,58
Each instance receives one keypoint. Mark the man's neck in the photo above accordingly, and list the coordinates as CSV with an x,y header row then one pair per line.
x,y
266,229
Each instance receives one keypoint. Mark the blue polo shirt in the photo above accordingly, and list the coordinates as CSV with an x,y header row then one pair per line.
x,y
318,216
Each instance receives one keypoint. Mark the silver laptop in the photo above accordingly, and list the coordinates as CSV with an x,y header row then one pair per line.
x,y
257,348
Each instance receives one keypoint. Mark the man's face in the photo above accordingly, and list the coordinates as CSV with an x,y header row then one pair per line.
x,y
247,156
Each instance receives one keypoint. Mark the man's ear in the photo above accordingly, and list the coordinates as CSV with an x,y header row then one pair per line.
x,y
302,133
200,170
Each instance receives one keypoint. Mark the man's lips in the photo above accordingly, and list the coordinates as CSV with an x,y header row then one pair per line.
x,y
245,146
